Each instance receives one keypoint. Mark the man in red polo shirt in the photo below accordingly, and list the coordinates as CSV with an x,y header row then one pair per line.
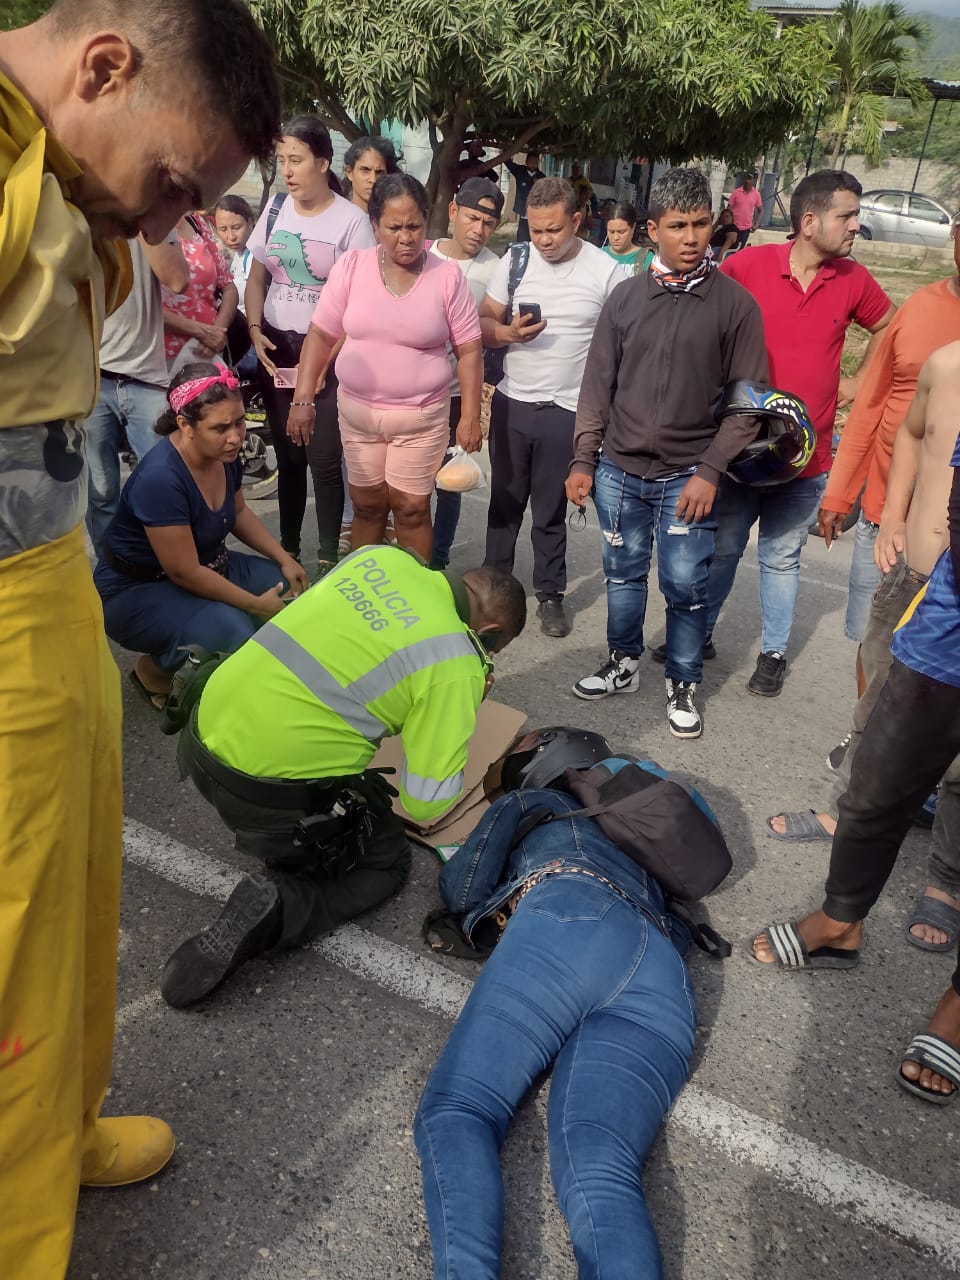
x,y
809,292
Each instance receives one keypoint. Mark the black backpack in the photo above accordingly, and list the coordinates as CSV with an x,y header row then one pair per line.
x,y
662,824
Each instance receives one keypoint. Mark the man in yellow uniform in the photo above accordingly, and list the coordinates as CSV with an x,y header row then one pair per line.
x,y
286,727
91,148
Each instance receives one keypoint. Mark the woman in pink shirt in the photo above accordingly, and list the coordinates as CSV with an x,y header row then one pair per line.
x,y
396,307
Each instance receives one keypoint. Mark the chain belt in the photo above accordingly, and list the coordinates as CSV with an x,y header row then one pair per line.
x,y
555,869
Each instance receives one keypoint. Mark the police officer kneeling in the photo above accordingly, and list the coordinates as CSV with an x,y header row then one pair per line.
x,y
286,727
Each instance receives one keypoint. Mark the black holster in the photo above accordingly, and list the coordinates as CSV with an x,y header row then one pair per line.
x,y
315,826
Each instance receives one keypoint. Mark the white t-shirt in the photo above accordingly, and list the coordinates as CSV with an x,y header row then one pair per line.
x,y
300,254
570,296
478,273
132,342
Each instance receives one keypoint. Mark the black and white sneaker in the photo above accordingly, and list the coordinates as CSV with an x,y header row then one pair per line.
x,y
249,923
683,718
621,674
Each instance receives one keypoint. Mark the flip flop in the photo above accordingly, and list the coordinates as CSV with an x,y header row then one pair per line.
x,y
938,914
790,951
800,826
156,700
940,1056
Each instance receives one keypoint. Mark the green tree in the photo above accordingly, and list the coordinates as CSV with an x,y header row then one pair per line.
x,y
671,79
18,13
872,59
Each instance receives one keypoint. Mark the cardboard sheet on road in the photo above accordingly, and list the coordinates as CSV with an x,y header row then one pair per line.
x,y
497,726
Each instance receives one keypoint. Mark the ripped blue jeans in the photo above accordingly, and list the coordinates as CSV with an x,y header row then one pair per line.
x,y
633,514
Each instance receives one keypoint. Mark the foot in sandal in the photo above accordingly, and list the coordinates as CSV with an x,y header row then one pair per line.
x,y
151,681
931,1066
815,942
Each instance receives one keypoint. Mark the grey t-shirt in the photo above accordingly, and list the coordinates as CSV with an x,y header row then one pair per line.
x,y
132,342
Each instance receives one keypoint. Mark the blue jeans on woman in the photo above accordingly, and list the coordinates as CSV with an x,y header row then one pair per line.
x,y
633,513
585,980
160,618
785,512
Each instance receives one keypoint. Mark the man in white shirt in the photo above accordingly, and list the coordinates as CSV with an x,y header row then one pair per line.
x,y
474,216
133,377
534,406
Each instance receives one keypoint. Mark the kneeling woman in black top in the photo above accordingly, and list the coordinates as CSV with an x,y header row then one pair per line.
x,y
166,577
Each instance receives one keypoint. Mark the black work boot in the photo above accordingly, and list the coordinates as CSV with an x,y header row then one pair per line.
x,y
248,924
553,621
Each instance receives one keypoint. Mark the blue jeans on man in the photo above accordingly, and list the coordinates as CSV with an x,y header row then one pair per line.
x,y
584,979
785,513
633,514
127,405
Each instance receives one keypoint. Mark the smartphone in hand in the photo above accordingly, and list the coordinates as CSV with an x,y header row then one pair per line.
x,y
285,379
529,312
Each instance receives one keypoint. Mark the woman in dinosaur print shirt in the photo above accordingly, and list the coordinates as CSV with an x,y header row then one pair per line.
x,y
293,248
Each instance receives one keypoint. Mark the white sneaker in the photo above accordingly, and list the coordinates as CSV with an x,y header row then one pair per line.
x,y
620,675
683,718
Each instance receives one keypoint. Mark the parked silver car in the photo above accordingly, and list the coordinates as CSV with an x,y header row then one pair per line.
x,y
904,216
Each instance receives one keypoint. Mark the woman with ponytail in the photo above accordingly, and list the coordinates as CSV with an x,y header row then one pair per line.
x,y
294,246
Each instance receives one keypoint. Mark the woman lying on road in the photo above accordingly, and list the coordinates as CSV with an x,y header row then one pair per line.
x,y
166,577
588,976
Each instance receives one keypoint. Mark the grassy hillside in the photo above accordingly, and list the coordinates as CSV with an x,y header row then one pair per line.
x,y
941,58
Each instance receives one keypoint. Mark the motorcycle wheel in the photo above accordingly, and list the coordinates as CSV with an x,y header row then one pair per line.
x,y
258,455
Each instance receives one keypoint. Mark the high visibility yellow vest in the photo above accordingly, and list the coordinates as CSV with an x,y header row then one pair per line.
x,y
375,648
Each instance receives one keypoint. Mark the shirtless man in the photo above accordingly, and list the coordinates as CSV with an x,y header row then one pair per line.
x,y
904,748
927,320
911,536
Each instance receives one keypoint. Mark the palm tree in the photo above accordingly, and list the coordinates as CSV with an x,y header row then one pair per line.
x,y
872,60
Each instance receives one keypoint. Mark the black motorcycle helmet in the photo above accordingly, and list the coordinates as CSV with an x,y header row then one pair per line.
x,y
786,439
538,758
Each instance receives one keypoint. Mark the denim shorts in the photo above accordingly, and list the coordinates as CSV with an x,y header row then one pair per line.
x,y
864,579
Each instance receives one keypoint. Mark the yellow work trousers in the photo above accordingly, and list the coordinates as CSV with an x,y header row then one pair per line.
x,y
61,814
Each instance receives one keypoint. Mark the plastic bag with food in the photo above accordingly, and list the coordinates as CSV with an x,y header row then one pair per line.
x,y
461,473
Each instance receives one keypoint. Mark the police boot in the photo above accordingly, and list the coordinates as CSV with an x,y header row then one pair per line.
x,y
248,924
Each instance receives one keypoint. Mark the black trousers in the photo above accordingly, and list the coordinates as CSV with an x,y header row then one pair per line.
x,y
911,737
312,904
530,450
323,455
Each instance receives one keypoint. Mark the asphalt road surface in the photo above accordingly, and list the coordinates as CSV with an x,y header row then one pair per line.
x,y
791,1153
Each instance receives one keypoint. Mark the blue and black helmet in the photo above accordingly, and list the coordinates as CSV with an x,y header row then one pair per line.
x,y
786,439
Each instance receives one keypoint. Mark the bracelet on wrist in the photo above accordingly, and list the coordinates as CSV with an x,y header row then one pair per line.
x,y
302,404
253,326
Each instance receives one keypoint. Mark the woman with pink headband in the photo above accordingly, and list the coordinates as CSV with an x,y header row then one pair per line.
x,y
166,577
